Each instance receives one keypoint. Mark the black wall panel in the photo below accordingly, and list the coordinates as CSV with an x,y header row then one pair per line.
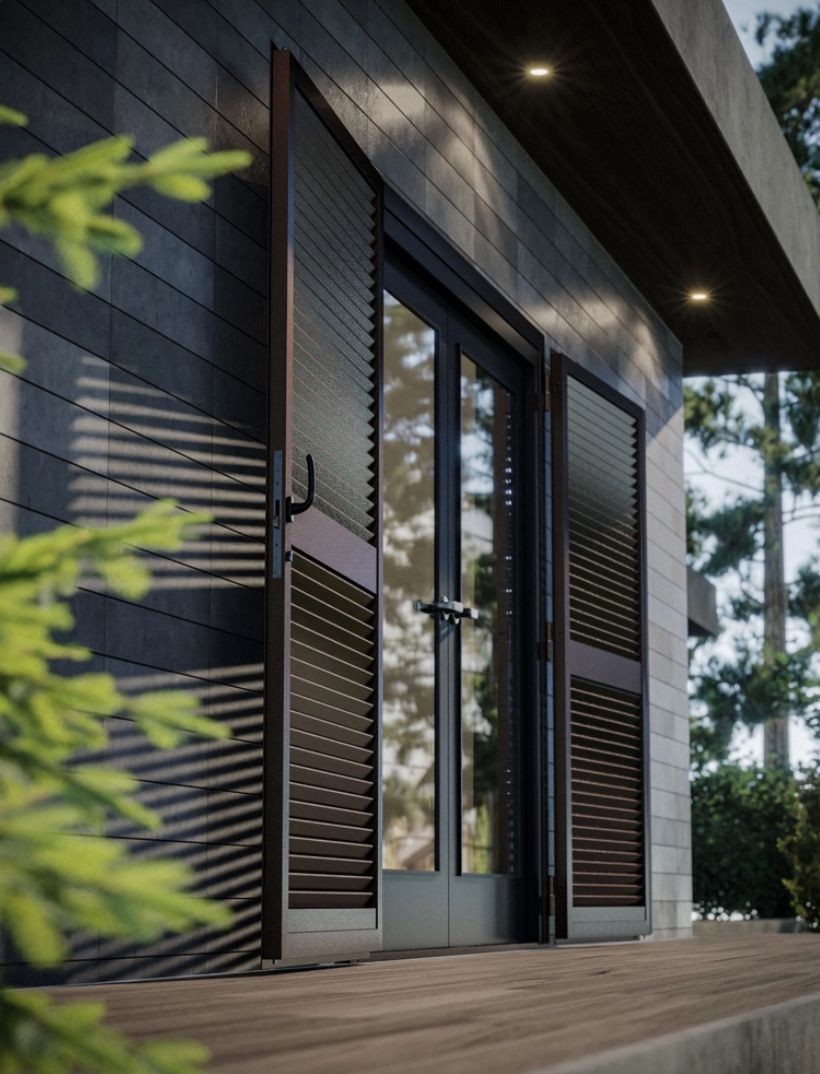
x,y
153,386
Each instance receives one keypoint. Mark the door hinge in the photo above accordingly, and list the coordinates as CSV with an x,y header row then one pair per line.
x,y
277,516
547,643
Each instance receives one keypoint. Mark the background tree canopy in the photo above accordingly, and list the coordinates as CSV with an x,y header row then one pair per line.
x,y
765,668
791,79
739,817
756,831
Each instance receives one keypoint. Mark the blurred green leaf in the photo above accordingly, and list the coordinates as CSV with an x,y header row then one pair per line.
x,y
39,1036
11,117
12,363
67,199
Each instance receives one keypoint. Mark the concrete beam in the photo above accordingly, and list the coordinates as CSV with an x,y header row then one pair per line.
x,y
711,50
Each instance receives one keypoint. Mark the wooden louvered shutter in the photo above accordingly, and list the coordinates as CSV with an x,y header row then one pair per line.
x,y
601,747
322,876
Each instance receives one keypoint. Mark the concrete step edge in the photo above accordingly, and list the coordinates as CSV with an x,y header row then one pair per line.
x,y
784,1037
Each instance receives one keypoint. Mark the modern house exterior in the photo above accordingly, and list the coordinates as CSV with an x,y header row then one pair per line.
x,y
423,362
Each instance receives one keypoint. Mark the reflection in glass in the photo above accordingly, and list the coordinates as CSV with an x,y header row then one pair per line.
x,y
409,572
487,740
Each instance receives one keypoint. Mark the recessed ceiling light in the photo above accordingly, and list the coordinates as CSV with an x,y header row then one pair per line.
x,y
699,296
539,70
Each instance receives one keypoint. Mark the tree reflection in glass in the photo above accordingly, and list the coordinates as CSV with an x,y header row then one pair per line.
x,y
487,741
408,757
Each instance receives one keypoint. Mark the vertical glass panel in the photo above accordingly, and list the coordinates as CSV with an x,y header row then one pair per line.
x,y
488,763
409,759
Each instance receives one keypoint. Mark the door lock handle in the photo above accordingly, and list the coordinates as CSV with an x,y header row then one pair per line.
x,y
451,611
292,509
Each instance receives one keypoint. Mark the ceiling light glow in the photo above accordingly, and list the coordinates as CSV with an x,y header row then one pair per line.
x,y
699,296
539,71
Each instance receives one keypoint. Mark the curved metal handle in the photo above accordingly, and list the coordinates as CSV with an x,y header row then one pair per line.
x,y
292,509
451,610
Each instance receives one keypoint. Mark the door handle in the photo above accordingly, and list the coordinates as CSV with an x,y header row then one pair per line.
x,y
451,611
292,509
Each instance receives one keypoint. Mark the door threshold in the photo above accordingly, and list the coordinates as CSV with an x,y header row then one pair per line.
x,y
441,952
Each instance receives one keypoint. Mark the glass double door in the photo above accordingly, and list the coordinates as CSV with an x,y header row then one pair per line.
x,y
454,801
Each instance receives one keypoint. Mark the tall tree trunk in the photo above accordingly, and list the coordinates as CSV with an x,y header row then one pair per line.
x,y
775,594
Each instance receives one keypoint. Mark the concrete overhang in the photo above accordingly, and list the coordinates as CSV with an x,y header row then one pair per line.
x,y
655,129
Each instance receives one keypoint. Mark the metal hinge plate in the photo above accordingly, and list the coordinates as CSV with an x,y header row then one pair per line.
x,y
277,517
548,647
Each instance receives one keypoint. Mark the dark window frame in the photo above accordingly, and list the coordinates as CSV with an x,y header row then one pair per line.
x,y
413,241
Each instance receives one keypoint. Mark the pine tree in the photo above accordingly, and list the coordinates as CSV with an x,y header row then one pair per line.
x,y
776,419
791,79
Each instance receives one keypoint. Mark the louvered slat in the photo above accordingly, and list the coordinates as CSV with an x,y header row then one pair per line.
x,y
335,305
607,796
604,530
332,844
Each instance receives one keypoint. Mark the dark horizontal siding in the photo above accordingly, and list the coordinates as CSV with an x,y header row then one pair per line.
x,y
153,386
187,321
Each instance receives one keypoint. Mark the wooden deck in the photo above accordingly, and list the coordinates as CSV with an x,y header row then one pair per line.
x,y
507,1011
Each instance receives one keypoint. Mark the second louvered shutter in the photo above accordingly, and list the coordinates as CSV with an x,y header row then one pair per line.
x,y
321,841
600,694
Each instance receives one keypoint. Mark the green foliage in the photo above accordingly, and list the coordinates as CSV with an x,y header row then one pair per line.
x,y
746,686
37,1035
59,874
10,117
736,532
744,690
791,79
712,410
715,417
10,363
801,464
802,850
738,817
65,198
804,599
695,508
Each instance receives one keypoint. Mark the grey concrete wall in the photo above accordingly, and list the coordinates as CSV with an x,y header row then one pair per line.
x,y
153,385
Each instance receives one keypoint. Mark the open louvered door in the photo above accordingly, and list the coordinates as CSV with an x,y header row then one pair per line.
x,y
322,877
601,740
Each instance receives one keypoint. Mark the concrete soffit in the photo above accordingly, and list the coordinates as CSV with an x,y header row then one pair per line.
x,y
656,131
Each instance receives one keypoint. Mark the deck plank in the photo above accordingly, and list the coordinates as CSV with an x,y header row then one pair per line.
x,y
510,1011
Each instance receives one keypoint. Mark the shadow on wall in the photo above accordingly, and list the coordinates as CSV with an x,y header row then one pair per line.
x,y
95,451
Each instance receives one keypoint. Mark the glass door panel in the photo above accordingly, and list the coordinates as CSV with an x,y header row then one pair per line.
x,y
409,549
489,762
450,755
